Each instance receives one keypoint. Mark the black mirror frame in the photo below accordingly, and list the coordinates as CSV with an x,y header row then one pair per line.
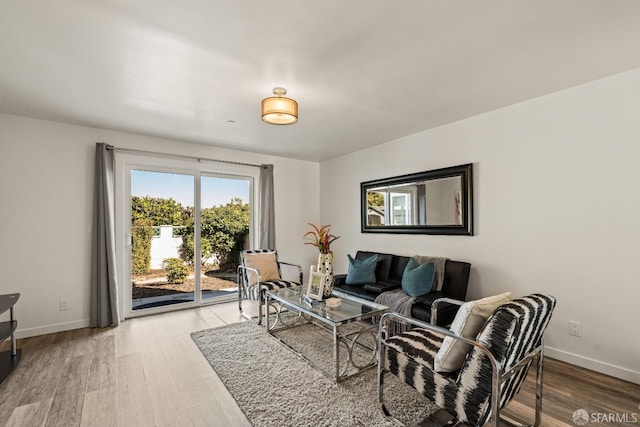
x,y
465,229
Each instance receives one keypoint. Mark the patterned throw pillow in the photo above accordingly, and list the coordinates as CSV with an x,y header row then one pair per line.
x,y
418,279
361,271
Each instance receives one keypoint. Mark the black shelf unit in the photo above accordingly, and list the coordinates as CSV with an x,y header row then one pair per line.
x,y
8,359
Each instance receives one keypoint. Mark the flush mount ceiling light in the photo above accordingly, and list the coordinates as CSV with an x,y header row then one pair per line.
x,y
279,110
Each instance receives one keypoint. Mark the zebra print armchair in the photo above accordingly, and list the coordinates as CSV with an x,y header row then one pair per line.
x,y
259,271
493,371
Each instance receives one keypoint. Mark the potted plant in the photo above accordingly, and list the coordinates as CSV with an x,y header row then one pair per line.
x,y
321,238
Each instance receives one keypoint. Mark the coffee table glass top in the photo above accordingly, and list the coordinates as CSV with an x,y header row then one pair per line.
x,y
351,308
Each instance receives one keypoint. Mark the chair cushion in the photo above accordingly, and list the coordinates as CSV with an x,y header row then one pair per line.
x,y
468,322
361,271
418,279
266,263
409,356
256,292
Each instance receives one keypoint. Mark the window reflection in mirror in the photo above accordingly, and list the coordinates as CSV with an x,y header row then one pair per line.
x,y
432,202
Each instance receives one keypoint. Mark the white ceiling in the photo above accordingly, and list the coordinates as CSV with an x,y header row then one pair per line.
x,y
364,72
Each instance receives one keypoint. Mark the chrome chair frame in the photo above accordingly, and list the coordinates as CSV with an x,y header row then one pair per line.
x,y
499,375
242,274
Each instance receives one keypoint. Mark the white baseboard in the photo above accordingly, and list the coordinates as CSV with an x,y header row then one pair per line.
x,y
594,365
50,329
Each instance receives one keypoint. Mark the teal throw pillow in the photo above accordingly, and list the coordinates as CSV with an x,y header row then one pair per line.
x,y
361,271
418,279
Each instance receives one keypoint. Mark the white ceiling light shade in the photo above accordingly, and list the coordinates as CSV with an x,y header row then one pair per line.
x,y
279,110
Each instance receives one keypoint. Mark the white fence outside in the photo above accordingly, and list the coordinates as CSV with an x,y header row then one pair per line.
x,y
164,246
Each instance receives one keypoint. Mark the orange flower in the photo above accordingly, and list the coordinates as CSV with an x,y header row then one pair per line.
x,y
321,238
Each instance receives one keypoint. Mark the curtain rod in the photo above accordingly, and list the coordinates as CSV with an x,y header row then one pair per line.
x,y
181,156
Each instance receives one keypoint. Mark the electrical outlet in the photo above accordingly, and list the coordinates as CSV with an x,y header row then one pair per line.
x,y
575,328
64,305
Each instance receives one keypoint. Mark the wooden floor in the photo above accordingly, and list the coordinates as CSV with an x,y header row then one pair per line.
x,y
148,372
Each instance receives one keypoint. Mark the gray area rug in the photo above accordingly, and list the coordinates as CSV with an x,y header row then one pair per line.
x,y
275,387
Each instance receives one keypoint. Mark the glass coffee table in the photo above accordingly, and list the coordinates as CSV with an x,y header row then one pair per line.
x,y
346,328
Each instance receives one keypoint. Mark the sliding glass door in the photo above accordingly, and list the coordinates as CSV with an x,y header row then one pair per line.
x,y
184,233
162,271
224,231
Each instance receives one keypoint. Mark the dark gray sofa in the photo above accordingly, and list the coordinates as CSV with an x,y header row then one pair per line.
x,y
389,270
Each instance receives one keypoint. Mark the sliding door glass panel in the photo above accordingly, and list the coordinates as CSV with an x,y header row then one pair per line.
x,y
162,206
224,232
401,205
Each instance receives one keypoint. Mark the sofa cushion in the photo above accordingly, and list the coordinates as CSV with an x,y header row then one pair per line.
x,y
417,279
383,265
361,271
470,318
421,310
398,264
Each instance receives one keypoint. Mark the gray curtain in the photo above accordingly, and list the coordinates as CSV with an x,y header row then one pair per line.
x,y
267,218
104,285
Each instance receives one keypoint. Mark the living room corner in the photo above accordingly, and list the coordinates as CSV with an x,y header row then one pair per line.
x,y
542,191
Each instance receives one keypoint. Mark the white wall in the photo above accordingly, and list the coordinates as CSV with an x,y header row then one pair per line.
x,y
556,210
164,246
46,194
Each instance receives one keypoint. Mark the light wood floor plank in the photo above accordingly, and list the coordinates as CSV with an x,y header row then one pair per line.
x,y
210,317
48,370
127,341
33,414
82,342
100,409
66,408
169,406
527,413
102,372
134,404
12,389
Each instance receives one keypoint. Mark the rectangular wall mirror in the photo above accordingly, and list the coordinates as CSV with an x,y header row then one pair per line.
x,y
432,202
